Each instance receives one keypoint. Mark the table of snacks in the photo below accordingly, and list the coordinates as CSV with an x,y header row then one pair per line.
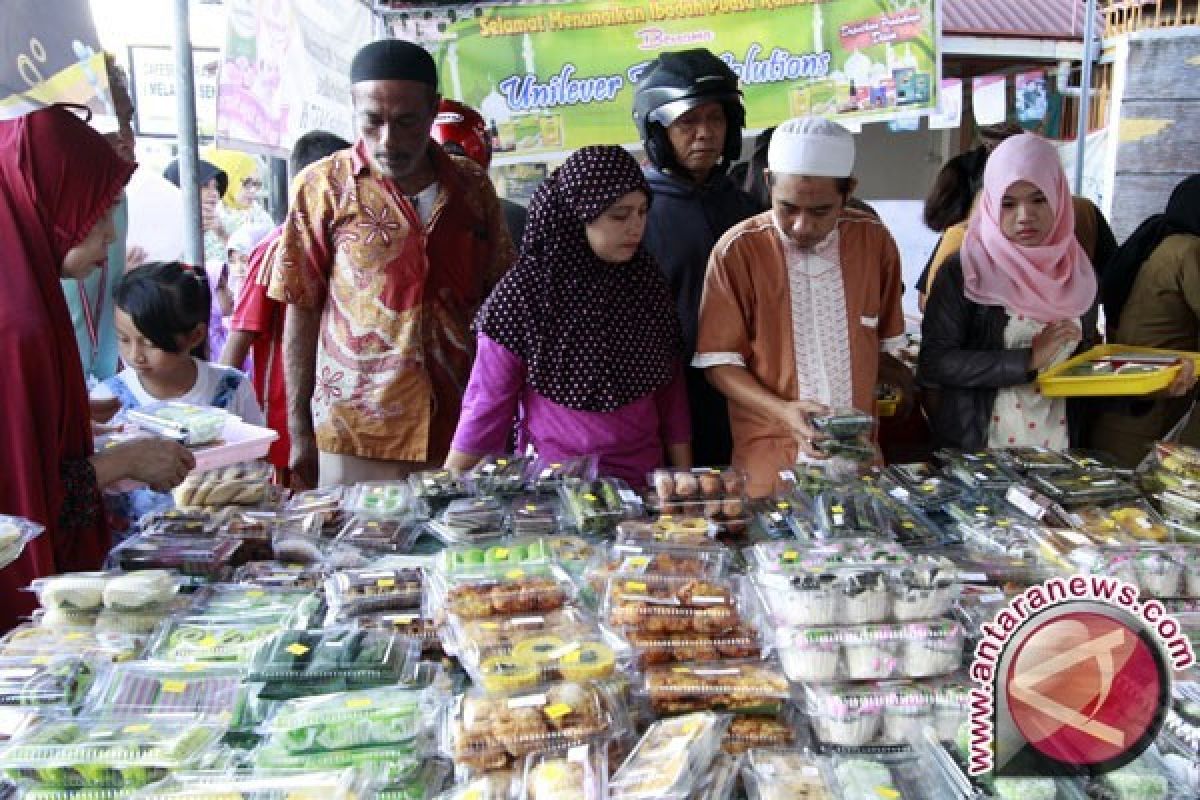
x,y
535,630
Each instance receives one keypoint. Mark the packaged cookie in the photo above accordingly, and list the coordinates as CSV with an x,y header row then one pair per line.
x,y
755,732
496,732
716,494
572,773
670,759
499,474
660,558
786,774
743,641
673,604
353,592
505,592
245,484
743,687
413,623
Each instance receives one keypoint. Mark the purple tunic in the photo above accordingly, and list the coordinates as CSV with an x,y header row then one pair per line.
x,y
628,441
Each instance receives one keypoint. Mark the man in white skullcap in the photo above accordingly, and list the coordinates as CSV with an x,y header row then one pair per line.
x,y
801,304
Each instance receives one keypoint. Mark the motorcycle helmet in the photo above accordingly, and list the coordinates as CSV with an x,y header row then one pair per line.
x,y
460,129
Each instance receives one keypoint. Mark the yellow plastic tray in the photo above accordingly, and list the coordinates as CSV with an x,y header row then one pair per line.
x,y
1054,383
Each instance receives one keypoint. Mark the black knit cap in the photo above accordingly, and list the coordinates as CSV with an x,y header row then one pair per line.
x,y
393,60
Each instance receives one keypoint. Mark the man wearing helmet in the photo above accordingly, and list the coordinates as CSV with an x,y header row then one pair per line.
x,y
461,131
689,113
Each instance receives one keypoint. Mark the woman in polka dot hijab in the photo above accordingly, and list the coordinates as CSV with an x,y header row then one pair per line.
x,y
584,326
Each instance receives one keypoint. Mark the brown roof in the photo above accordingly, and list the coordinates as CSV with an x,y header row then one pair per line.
x,y
1031,19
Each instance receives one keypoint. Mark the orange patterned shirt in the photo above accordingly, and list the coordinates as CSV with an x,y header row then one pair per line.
x,y
397,299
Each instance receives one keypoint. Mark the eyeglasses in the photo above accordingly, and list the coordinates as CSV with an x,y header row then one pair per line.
x,y
252,183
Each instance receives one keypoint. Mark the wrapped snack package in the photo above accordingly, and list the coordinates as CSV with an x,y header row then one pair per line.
x,y
784,774
246,484
15,533
496,474
717,494
744,687
345,720
146,688
670,758
573,773
596,507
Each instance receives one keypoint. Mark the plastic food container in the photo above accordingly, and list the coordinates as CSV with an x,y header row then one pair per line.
x,y
490,732
92,591
15,533
670,529
497,474
344,720
546,658
786,774
1110,370
393,763
185,641
342,658
673,604
208,560
982,470
670,648
1083,488
413,624
669,760
534,515
27,641
504,592
1161,572
95,753
191,426
1033,460
916,485
514,553
870,652
856,716
438,487
144,688
293,785
595,507
743,687
1133,521
848,514
471,519
548,475
718,495
39,681
273,574
661,558
477,639
753,732
380,498
579,772
353,592
380,536
910,526
844,423
181,522
244,483
236,603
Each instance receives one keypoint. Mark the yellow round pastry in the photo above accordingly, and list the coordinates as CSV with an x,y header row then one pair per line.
x,y
537,649
690,527
505,674
1137,523
591,661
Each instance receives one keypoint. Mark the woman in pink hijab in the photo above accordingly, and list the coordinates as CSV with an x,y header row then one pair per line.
x,y
1019,298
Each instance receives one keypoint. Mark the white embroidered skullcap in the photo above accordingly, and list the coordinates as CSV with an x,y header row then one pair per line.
x,y
812,146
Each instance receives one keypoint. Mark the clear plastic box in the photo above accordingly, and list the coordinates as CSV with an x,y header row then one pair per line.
x,y
210,560
848,514
500,474
535,515
380,536
437,487
786,774
471,519
788,558
491,732
92,591
293,785
717,494
507,591
843,423
101,753
38,681
981,470
685,531
245,483
234,602
1037,460
365,718
868,715
15,533
190,425
412,623
870,652
27,641
271,574
577,773
181,640
660,558
380,498
546,475
143,688
670,759
1134,520
1077,488
337,656
673,604
546,658
918,485
743,687
595,507
754,731
360,591
511,554
477,639
670,648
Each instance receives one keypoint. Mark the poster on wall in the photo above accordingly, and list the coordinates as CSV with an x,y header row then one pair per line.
x,y
50,53
552,77
950,100
152,84
989,99
287,71
1033,97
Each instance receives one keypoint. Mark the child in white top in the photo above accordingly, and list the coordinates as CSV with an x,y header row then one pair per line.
x,y
161,316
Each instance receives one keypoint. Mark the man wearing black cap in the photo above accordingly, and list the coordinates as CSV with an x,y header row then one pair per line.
x,y
689,113
388,250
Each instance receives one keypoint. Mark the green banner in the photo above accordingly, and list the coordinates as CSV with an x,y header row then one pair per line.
x,y
554,77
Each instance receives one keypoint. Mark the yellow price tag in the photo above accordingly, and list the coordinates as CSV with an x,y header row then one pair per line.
x,y
501,552
502,462
207,642
639,562
386,583
515,574
837,509
75,636
557,710
256,593
907,525
783,506
358,702
887,792
139,728
193,667
530,507
635,586
174,687
790,555
41,661
297,649
591,498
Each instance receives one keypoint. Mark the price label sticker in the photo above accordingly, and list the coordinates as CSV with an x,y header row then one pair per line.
x,y
386,583
635,586
515,574
174,687
256,593
207,642
502,552
357,703
141,727
297,649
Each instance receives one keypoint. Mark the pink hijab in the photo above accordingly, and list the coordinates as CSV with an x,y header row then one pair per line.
x,y
1049,282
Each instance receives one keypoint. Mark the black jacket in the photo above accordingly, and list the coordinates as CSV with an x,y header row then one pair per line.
x,y
963,362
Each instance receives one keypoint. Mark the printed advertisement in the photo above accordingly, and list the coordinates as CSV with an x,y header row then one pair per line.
x,y
49,53
152,83
554,77
287,71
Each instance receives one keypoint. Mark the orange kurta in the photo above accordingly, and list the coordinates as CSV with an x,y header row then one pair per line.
x,y
746,309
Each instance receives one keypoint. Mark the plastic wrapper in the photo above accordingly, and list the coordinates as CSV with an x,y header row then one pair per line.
x,y
534,515
851,716
512,554
190,425
470,519
180,522
15,533
353,592
334,659
848,514
776,518
301,539
1078,488
497,474
505,592
476,639
205,560
1179,507
272,574
789,558
868,779
325,504
413,624
680,604
1161,572
595,507
143,688
572,773
26,641
245,484
668,529
660,558
239,603
546,658
786,774
753,732
717,494
99,753
910,526
184,641
843,423
1037,460
396,763
38,681
1126,522
380,536
437,487
743,687
858,452
293,785
919,486
380,498
668,647
345,720
493,732
488,787
409,782
870,652
91,591
981,470
547,476
670,759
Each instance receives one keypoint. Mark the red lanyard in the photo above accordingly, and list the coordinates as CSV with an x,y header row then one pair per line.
x,y
91,317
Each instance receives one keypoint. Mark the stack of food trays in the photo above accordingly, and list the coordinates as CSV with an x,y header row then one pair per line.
x,y
1171,475
717,495
107,601
846,434
596,507
980,471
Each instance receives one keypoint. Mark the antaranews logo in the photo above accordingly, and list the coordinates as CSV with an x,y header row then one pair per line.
x,y
1072,676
